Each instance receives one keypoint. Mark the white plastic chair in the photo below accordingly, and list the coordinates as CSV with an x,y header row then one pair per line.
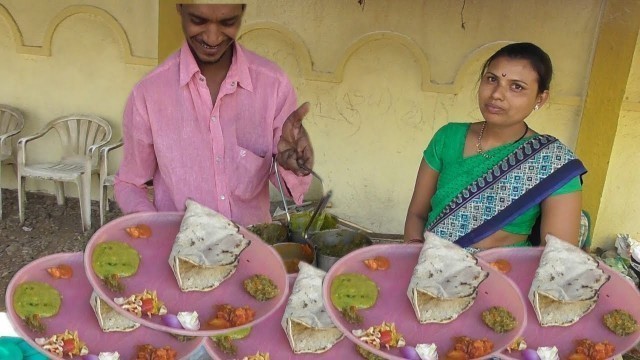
x,y
11,123
106,177
80,136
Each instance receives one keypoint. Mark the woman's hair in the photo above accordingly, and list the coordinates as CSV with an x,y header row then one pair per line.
x,y
538,59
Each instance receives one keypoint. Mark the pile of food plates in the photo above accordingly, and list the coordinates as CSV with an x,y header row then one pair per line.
x,y
180,284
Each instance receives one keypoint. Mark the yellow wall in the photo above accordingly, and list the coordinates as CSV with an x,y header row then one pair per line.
x,y
381,79
62,57
620,207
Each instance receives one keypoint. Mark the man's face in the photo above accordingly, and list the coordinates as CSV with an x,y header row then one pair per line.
x,y
210,30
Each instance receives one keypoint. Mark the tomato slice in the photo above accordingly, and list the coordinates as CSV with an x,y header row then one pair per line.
x,y
383,262
140,231
385,337
147,306
62,271
502,265
68,346
377,263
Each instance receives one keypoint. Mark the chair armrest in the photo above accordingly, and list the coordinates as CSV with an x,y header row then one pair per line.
x,y
107,148
22,144
94,147
104,159
9,134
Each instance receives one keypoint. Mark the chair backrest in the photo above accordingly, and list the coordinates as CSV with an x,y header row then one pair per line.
x,y
81,134
11,123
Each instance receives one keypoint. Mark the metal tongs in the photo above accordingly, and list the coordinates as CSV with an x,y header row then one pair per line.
x,y
321,204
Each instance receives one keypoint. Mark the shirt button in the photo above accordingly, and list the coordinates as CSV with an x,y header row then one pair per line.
x,y
222,197
243,153
233,84
201,78
213,118
218,158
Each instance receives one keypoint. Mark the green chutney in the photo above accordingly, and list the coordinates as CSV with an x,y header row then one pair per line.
x,y
36,298
115,258
353,290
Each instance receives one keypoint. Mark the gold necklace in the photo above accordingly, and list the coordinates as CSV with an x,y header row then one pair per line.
x,y
479,143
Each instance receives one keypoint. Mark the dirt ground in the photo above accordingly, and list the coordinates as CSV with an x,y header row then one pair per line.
x,y
48,229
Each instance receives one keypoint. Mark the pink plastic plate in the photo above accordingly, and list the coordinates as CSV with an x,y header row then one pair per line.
x,y
394,306
76,313
617,293
268,336
155,273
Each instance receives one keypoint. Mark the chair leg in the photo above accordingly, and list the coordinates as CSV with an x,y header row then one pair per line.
x,y
60,192
84,196
103,203
21,197
0,191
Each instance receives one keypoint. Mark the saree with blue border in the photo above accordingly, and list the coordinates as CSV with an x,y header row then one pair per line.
x,y
528,175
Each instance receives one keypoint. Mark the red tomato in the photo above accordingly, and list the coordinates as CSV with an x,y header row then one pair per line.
x,y
385,337
147,306
68,346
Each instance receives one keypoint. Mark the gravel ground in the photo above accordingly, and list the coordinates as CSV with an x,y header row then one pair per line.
x,y
48,229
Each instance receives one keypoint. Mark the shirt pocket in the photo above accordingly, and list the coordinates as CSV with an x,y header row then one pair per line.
x,y
251,173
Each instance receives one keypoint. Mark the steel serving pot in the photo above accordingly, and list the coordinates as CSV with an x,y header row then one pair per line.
x,y
328,244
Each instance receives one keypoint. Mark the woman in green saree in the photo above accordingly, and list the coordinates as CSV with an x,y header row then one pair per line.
x,y
484,184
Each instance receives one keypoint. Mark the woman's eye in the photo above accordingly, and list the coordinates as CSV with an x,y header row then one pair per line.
x,y
491,78
518,87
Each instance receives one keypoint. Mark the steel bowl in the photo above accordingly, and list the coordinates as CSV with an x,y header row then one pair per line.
x,y
331,245
292,253
271,233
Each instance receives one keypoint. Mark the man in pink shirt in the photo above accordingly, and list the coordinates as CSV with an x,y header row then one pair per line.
x,y
206,123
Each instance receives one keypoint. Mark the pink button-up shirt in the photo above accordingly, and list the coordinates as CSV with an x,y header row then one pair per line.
x,y
219,155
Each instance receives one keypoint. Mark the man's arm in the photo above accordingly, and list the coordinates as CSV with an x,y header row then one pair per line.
x,y
139,161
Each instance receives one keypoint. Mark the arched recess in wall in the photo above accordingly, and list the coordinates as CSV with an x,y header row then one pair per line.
x,y
13,26
299,48
468,65
45,49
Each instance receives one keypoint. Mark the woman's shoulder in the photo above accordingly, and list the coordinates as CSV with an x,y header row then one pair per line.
x,y
453,128
554,145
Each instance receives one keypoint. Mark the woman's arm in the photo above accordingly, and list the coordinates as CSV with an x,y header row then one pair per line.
x,y
420,205
561,217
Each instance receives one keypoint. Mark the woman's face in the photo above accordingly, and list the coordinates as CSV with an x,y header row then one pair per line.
x,y
508,91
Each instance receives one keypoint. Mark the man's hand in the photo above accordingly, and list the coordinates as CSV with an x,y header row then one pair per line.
x,y
294,147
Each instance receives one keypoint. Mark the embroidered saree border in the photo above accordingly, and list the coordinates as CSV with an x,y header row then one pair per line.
x,y
540,166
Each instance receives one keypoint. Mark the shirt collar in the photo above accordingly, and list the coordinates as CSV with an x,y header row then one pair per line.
x,y
238,72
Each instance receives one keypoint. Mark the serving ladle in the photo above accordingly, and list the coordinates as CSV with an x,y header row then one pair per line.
x,y
319,208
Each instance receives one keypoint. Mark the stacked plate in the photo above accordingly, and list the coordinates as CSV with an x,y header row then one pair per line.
x,y
508,291
154,274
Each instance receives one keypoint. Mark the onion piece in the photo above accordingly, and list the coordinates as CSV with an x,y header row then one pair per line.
x,y
409,352
530,354
171,320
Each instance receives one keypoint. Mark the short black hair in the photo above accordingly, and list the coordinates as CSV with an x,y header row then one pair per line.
x,y
539,60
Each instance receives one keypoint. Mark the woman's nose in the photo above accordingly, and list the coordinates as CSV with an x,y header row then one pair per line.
x,y
497,92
